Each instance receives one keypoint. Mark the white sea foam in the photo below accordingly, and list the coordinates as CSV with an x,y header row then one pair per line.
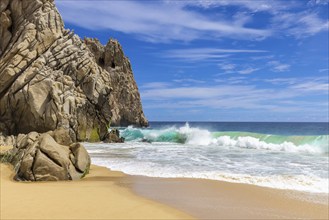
x,y
255,143
304,183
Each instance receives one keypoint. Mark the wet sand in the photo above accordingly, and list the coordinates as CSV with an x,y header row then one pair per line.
x,y
208,199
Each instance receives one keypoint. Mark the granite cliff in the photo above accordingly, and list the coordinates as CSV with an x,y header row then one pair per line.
x,y
50,79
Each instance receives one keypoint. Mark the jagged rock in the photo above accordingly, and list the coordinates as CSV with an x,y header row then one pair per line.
x,y
50,79
38,157
114,137
7,140
112,59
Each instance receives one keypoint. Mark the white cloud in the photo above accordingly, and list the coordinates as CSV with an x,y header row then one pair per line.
x,y
282,68
248,70
318,2
276,66
155,85
233,80
312,86
302,23
166,21
227,67
282,81
153,21
252,5
197,54
306,84
188,80
299,25
233,93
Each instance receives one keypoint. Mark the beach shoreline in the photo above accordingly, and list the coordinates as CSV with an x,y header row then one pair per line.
x,y
106,194
213,199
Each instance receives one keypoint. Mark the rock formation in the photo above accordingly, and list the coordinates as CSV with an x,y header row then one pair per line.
x,y
38,157
52,80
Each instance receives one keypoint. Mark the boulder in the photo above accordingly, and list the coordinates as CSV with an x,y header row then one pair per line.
x,y
38,157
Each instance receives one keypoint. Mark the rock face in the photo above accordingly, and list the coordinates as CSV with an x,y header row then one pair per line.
x,y
38,157
50,79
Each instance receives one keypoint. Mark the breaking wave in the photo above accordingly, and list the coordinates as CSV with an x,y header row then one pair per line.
x,y
197,136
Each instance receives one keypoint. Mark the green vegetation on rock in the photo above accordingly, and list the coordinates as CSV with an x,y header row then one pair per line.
x,y
94,135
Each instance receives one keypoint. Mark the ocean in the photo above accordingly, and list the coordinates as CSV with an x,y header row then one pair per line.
x,y
292,156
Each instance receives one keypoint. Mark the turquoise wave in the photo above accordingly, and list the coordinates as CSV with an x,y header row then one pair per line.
x,y
188,135
148,135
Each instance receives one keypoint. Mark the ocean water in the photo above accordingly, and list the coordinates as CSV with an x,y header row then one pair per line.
x,y
292,156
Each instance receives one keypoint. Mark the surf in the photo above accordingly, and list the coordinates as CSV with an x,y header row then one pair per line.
x,y
188,135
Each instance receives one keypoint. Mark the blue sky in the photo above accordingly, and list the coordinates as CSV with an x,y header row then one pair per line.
x,y
223,60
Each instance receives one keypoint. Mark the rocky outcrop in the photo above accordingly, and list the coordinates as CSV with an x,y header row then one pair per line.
x,y
51,80
114,137
38,157
126,98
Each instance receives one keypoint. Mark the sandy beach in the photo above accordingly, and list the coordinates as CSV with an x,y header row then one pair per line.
x,y
106,194
95,197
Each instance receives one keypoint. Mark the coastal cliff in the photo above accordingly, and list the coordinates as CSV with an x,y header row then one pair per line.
x,y
50,79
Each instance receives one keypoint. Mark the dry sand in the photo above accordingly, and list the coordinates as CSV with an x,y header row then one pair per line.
x,y
95,197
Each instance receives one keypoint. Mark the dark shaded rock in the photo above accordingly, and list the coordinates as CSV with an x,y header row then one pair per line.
x,y
114,137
